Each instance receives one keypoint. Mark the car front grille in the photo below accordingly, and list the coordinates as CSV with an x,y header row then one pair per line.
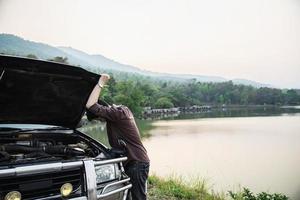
x,y
41,185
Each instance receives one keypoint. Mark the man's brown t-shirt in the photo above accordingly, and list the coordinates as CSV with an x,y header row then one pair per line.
x,y
121,125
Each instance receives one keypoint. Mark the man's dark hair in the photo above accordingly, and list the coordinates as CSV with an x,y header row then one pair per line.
x,y
90,116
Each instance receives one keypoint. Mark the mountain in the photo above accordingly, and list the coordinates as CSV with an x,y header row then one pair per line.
x,y
98,61
106,63
14,45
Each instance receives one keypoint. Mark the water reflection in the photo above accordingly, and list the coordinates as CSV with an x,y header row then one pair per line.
x,y
239,112
97,130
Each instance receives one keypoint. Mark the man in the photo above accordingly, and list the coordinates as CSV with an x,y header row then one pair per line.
x,y
121,128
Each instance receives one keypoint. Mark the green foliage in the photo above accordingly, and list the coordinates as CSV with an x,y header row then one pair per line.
x,y
246,194
138,91
175,188
127,93
291,97
163,102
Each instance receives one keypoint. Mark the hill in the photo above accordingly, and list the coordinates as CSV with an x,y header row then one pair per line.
x,y
14,45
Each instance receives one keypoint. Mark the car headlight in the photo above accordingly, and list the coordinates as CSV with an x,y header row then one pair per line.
x,y
105,173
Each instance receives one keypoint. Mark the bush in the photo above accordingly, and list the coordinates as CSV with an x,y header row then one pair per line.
x,y
246,194
164,102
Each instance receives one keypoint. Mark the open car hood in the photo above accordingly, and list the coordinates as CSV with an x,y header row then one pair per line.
x,y
40,92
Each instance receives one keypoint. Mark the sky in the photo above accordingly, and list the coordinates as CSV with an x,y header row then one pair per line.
x,y
251,39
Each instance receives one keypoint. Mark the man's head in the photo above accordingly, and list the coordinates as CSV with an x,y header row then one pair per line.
x,y
90,116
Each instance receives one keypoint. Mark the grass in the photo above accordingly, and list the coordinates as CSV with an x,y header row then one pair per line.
x,y
173,188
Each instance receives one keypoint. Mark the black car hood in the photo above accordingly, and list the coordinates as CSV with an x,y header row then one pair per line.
x,y
40,92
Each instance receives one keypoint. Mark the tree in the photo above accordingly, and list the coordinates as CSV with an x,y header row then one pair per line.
x,y
164,102
137,91
129,94
110,91
221,99
291,97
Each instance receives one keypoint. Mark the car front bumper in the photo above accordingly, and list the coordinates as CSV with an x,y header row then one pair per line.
x,y
117,189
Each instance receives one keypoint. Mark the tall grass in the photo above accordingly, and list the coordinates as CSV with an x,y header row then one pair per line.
x,y
173,187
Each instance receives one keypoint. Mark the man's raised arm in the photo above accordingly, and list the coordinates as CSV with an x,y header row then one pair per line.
x,y
94,96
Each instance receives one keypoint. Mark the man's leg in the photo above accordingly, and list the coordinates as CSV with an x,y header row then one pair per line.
x,y
138,173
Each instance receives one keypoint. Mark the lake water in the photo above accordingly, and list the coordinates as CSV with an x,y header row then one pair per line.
x,y
260,150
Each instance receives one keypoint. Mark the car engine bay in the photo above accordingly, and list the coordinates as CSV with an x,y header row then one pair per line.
x,y
22,148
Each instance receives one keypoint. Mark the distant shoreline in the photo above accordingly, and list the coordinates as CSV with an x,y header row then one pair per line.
x,y
176,112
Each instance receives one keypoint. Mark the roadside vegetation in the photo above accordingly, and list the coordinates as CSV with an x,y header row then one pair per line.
x,y
173,187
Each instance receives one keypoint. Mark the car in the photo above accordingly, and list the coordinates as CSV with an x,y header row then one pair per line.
x,y
43,155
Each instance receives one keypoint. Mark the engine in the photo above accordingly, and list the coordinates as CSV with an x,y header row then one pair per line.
x,y
35,147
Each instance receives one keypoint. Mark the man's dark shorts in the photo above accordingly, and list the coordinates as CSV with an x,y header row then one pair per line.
x,y
138,173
